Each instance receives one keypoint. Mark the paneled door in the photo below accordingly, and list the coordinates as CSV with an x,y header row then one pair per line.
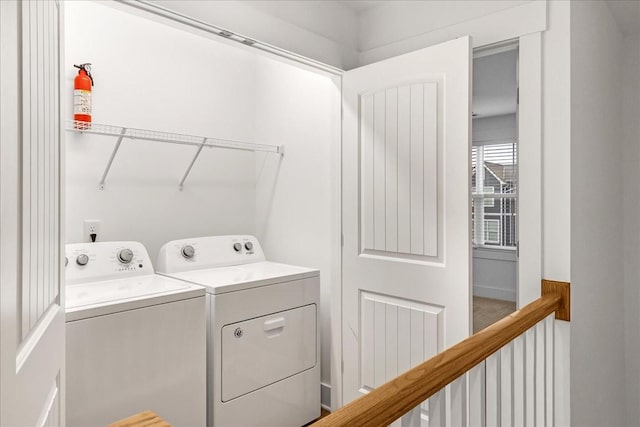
x,y
32,314
406,212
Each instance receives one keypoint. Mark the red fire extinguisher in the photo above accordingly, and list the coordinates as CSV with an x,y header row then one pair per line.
x,y
82,96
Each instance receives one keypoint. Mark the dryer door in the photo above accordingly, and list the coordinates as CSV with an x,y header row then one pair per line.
x,y
267,349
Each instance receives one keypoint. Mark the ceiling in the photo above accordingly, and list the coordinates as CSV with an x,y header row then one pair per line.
x,y
627,15
360,6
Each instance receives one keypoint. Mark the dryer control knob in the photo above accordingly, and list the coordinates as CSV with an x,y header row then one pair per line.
x,y
248,246
125,256
82,259
188,251
237,247
66,261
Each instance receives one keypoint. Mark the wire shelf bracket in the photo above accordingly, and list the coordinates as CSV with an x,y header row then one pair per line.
x,y
166,137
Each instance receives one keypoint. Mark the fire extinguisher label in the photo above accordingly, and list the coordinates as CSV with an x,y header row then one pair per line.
x,y
82,102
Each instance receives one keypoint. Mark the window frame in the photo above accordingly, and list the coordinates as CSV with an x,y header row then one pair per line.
x,y
487,231
489,202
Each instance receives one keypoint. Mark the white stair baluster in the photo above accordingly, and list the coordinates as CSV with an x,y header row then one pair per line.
x,y
438,409
412,418
477,400
458,399
540,410
506,400
492,381
549,347
518,381
529,373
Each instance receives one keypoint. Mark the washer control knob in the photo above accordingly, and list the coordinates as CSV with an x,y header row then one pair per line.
x,y
188,251
66,261
82,259
237,247
248,246
125,256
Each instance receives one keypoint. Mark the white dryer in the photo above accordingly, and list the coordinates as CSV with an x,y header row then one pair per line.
x,y
135,340
263,345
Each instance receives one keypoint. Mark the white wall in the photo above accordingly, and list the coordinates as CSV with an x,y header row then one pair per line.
x,y
157,76
598,395
298,204
494,273
149,75
631,223
325,31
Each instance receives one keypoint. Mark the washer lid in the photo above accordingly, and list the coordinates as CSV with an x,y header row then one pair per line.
x,y
240,277
110,296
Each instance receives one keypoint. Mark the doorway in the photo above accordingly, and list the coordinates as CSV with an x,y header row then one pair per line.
x,y
494,182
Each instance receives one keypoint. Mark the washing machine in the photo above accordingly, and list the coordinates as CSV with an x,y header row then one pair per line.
x,y
135,340
263,343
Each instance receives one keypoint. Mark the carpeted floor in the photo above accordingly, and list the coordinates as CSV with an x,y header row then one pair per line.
x,y
487,311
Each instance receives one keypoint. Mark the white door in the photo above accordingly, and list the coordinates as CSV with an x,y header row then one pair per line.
x,y
406,212
32,322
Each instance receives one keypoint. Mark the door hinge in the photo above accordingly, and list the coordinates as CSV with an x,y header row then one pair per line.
x,y
518,249
518,96
342,240
342,366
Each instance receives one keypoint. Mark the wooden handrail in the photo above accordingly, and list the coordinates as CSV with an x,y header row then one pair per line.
x,y
390,401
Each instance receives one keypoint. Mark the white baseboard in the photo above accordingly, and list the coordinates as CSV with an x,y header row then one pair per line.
x,y
495,293
325,396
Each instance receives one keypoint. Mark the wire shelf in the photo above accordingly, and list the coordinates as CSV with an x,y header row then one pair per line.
x,y
172,138
166,137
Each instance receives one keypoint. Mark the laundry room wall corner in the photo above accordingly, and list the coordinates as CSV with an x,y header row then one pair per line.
x,y
297,195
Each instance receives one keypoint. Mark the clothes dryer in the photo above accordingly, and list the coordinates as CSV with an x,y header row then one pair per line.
x,y
263,343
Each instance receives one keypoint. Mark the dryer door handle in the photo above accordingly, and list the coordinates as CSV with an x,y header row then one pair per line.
x,y
274,326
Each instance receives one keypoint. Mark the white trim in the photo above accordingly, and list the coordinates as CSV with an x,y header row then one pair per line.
x,y
494,293
496,248
495,48
63,110
499,253
495,196
336,279
529,118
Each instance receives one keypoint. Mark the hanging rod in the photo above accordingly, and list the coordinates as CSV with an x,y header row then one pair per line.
x,y
166,137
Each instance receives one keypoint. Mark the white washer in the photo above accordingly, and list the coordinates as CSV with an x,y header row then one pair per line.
x,y
263,346
135,340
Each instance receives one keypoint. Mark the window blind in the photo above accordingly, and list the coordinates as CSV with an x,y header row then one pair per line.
x,y
494,187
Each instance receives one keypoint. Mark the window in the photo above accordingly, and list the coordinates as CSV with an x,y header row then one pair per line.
x,y
492,231
494,171
489,203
